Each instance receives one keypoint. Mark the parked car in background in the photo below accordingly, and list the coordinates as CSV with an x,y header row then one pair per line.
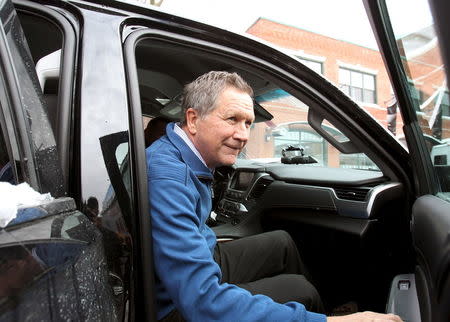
x,y
79,79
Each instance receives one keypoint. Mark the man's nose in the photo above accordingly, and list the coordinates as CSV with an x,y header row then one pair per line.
x,y
241,132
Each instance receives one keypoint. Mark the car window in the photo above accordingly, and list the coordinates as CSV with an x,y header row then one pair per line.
x,y
85,256
51,38
289,127
45,41
28,113
343,50
160,90
418,48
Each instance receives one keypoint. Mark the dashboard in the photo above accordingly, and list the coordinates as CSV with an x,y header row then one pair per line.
x,y
252,189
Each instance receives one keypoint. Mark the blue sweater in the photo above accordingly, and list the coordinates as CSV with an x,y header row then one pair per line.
x,y
187,277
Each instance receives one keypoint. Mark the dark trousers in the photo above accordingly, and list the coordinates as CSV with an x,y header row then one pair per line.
x,y
267,264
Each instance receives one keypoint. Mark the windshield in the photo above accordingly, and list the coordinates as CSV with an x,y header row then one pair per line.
x,y
269,141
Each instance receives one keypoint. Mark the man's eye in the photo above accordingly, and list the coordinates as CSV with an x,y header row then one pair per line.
x,y
232,119
248,124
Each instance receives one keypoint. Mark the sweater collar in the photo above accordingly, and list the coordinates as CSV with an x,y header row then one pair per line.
x,y
178,130
187,154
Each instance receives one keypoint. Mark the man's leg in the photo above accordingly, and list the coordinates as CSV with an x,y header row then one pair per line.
x,y
256,263
287,287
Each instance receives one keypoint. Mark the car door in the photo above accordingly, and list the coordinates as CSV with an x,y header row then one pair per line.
x,y
415,49
52,265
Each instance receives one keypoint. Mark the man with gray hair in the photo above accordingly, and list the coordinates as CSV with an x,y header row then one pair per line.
x,y
257,278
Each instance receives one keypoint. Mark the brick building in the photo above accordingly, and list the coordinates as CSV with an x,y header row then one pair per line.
x,y
359,71
356,70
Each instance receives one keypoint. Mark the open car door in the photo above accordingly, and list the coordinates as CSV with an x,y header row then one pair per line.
x,y
52,262
415,47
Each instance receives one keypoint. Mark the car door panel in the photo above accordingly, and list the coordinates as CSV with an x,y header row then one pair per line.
x,y
328,235
53,263
54,267
431,231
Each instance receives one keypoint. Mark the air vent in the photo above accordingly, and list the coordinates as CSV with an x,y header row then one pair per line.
x,y
355,194
259,188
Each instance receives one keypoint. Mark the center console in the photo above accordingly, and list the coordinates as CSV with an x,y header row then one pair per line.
x,y
240,196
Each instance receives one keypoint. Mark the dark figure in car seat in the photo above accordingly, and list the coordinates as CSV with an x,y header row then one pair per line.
x,y
258,278
155,128
91,209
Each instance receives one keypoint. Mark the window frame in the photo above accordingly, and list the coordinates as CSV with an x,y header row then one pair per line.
x,y
305,62
65,103
350,70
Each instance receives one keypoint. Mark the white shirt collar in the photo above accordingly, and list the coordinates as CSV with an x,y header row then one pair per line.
x,y
178,130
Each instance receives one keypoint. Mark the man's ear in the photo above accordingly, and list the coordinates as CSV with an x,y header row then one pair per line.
x,y
191,120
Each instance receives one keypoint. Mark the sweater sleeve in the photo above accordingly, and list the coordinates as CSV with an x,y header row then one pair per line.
x,y
186,268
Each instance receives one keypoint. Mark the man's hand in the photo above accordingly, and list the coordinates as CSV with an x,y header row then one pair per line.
x,y
365,317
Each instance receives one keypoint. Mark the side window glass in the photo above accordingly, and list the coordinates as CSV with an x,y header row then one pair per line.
x,y
349,60
160,91
29,113
45,41
422,63
290,127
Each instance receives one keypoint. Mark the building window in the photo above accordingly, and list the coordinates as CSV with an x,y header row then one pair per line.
x,y
312,64
358,85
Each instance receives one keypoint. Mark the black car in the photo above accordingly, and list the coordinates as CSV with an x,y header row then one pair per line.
x,y
79,80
